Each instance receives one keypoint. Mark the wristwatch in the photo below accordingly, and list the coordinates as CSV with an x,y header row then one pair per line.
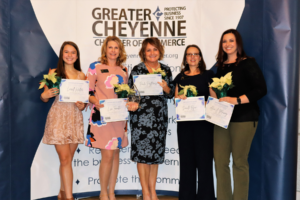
x,y
238,100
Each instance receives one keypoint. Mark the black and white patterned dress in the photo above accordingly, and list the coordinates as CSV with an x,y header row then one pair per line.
x,y
149,123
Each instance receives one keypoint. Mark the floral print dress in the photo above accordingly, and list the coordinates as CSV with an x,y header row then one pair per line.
x,y
111,135
149,123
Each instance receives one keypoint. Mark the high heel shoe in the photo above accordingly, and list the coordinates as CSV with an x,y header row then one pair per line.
x,y
62,195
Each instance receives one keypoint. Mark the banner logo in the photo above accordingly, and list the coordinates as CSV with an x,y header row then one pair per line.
x,y
132,26
157,13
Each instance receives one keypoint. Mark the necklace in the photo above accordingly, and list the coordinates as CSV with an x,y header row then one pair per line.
x,y
153,69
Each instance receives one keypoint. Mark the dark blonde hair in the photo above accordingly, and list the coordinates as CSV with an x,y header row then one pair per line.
x,y
122,56
154,42
60,70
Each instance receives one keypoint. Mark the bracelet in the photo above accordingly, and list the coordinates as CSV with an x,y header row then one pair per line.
x,y
238,101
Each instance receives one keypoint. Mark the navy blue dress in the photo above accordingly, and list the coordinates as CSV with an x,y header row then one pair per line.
x,y
150,122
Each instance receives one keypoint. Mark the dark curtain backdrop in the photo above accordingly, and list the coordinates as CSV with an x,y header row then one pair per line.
x,y
270,30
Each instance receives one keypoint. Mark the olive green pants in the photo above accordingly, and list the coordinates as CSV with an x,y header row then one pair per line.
x,y
237,140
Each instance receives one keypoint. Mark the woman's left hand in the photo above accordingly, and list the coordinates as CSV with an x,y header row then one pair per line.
x,y
80,105
231,100
132,106
165,86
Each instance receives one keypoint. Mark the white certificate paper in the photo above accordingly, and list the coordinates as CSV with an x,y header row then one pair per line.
x,y
190,109
218,113
74,90
147,84
113,110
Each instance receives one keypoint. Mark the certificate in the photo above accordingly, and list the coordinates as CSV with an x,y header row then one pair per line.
x,y
147,84
74,90
113,110
190,109
218,113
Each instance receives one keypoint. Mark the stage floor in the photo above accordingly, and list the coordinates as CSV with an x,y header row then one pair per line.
x,y
133,197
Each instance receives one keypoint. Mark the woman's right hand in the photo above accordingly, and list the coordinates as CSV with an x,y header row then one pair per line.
x,y
183,97
47,94
98,105
93,100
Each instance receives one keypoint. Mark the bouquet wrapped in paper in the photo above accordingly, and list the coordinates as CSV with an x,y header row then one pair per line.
x,y
51,80
188,91
222,85
123,90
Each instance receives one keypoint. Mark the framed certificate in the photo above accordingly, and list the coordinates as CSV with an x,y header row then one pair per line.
x,y
218,113
147,84
190,109
113,110
74,90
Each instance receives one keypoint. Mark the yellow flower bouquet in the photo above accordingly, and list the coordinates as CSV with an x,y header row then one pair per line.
x,y
222,85
123,90
188,91
159,71
51,80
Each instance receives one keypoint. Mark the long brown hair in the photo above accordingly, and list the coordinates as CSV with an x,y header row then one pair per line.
x,y
201,65
122,57
154,42
222,56
60,70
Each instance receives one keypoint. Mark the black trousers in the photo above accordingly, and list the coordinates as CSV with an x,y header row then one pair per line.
x,y
195,142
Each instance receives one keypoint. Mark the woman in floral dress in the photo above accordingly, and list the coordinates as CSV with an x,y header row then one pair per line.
x,y
109,137
149,123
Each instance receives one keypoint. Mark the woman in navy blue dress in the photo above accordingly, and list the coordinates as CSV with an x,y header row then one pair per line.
x,y
195,138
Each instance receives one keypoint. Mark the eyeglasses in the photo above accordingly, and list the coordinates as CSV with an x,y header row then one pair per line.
x,y
192,54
